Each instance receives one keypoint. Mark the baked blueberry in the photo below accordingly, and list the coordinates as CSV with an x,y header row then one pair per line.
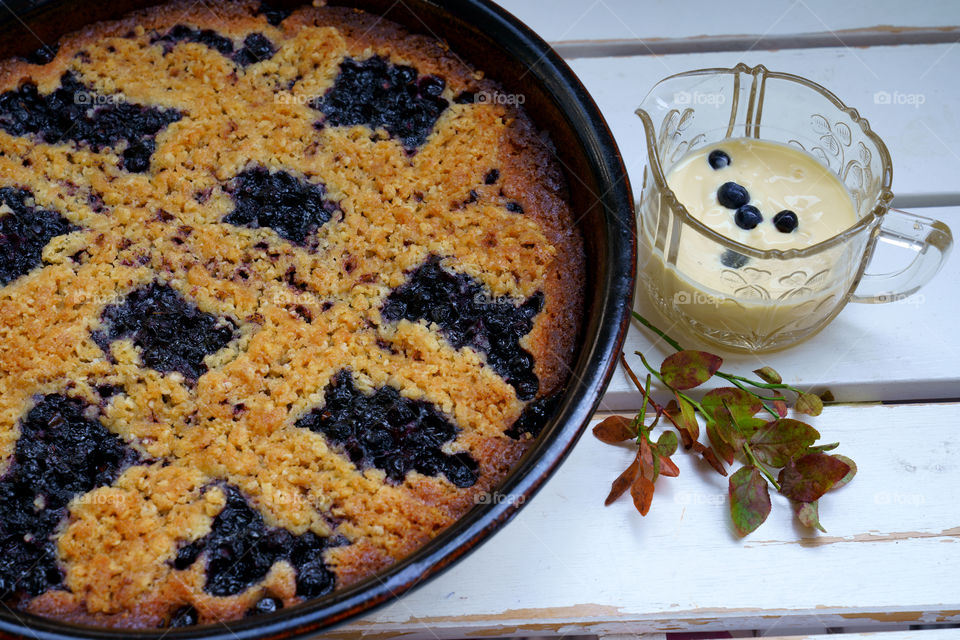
x,y
718,159
241,548
388,431
293,207
172,333
748,217
534,417
468,316
380,94
184,617
24,232
786,221
732,195
74,112
60,453
256,48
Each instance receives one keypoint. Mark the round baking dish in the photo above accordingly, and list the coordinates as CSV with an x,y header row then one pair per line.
x,y
601,198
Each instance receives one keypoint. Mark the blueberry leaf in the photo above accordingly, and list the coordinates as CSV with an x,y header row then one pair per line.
x,y
809,404
780,440
668,467
642,493
688,417
847,478
749,499
810,476
667,443
689,369
623,482
768,374
740,404
720,445
615,429
808,513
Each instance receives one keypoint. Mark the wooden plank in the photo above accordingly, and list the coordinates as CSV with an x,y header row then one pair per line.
x,y
906,350
657,20
915,634
567,564
924,138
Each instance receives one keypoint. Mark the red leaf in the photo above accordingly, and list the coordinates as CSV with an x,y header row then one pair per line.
x,y
623,482
668,467
642,492
689,369
749,499
645,456
847,478
809,477
780,405
615,429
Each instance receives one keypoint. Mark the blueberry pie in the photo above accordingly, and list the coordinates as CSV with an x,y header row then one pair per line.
x,y
281,295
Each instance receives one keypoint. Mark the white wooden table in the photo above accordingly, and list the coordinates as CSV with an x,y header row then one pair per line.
x,y
890,563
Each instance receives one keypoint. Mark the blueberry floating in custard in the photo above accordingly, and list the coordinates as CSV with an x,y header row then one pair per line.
x,y
786,221
732,195
732,259
747,217
718,159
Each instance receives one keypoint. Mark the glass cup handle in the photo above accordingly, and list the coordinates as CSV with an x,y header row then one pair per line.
x,y
930,240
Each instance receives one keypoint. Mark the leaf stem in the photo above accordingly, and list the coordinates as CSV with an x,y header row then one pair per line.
x,y
753,460
670,341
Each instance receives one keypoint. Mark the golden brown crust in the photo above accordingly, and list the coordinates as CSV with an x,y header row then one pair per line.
x,y
302,315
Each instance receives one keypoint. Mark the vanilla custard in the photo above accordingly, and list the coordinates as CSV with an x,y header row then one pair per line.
x,y
777,178
764,195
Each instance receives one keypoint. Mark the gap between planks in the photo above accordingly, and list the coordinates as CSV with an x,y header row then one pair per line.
x,y
864,37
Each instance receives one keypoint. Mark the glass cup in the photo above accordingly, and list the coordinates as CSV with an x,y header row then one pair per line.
x,y
780,296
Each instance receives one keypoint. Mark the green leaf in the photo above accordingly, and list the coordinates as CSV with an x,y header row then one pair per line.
x,y
779,440
808,513
742,405
689,369
823,447
749,499
667,443
688,417
847,478
720,446
809,404
810,476
768,374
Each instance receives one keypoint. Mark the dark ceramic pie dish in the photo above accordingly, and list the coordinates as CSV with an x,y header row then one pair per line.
x,y
600,195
